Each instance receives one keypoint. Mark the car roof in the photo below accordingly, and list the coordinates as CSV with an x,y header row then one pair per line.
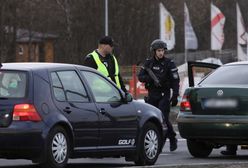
x,y
238,63
33,66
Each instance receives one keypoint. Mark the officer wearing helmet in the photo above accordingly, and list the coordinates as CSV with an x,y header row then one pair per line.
x,y
159,90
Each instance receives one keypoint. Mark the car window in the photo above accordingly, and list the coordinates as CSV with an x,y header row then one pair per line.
x,y
57,87
227,75
67,85
102,89
13,84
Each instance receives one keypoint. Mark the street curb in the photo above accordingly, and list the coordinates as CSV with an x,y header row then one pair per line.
x,y
205,165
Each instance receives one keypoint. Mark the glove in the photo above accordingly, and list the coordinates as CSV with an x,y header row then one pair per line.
x,y
149,79
173,100
146,99
129,97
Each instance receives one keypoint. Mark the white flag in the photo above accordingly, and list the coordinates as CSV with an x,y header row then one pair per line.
x,y
241,36
190,37
167,27
217,26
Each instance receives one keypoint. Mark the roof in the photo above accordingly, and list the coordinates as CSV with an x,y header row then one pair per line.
x,y
27,66
24,35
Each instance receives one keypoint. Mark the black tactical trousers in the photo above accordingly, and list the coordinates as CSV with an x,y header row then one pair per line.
x,y
162,101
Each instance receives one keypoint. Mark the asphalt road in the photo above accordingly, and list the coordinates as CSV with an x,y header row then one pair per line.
x,y
178,159
168,159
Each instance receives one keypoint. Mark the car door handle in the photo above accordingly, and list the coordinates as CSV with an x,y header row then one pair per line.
x,y
67,110
102,111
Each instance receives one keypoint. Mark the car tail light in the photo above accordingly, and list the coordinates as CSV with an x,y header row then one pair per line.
x,y
25,112
185,104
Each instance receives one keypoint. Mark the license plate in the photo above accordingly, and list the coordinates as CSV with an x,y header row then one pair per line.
x,y
221,103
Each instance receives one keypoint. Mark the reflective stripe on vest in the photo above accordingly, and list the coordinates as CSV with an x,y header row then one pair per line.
x,y
102,68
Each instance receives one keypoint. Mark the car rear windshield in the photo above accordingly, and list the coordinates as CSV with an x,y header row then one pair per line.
x,y
12,84
228,75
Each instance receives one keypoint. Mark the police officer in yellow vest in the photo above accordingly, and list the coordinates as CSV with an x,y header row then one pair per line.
x,y
104,61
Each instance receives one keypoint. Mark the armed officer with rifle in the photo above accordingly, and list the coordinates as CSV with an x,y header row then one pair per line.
x,y
160,75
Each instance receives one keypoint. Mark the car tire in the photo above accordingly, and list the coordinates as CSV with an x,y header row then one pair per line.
x,y
149,146
57,149
198,149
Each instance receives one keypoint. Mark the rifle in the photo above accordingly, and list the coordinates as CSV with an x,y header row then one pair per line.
x,y
153,76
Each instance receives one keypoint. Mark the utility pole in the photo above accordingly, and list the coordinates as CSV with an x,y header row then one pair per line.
x,y
106,17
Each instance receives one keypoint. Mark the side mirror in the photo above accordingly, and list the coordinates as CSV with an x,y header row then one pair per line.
x,y
128,97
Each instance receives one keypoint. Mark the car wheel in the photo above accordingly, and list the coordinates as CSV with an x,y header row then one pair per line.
x,y
57,149
198,149
149,146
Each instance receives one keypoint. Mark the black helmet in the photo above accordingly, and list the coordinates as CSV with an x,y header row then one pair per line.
x,y
156,44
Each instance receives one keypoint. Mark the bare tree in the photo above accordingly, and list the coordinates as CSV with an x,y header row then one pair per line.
x,y
2,30
133,25
65,6
8,25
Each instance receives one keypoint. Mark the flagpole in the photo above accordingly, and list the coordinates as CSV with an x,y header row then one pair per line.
x,y
185,55
237,26
159,14
190,39
185,41
247,46
211,28
106,17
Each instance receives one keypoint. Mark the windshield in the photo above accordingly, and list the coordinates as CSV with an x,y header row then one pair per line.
x,y
12,84
228,75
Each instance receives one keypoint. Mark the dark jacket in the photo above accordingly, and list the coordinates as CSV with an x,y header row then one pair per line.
x,y
109,62
167,73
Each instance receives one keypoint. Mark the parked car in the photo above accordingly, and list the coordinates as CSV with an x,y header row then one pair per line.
x,y
215,111
50,112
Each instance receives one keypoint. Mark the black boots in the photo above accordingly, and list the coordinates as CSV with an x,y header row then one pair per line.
x,y
228,153
231,150
173,144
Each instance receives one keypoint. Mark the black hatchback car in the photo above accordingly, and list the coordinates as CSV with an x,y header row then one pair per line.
x,y
215,112
51,112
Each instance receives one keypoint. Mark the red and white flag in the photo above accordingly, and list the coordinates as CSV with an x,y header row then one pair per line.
x,y
241,36
217,26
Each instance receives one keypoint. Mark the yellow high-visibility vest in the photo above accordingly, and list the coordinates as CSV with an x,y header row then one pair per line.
x,y
102,68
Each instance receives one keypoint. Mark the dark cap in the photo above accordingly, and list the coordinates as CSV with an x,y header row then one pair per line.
x,y
107,40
